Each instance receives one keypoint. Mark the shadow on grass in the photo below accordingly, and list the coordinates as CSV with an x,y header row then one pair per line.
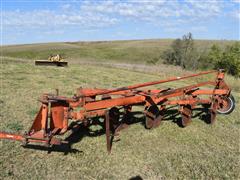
x,y
79,131
201,113
63,148
136,178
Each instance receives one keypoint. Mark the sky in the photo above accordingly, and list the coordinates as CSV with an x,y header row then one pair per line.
x,y
34,21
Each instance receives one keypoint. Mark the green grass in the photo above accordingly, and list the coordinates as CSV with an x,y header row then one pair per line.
x,y
138,51
200,151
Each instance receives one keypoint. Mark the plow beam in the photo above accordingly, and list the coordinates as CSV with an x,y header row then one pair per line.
x,y
149,83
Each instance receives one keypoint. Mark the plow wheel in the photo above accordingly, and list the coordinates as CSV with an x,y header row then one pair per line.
x,y
153,117
186,113
226,105
221,105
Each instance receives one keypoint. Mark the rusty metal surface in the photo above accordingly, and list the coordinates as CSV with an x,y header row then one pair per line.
x,y
57,111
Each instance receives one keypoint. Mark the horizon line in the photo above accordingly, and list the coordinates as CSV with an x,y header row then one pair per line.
x,y
115,40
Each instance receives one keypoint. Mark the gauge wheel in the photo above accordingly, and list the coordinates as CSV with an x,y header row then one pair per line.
x,y
227,105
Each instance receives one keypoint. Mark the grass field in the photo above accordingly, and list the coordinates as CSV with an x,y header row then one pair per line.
x,y
200,151
138,51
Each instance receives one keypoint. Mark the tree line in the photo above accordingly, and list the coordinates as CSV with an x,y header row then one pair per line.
x,y
184,53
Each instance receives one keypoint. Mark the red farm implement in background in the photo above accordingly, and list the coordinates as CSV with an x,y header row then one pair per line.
x,y
57,113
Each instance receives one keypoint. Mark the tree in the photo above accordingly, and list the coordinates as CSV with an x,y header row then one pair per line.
x,y
187,48
182,53
230,60
208,60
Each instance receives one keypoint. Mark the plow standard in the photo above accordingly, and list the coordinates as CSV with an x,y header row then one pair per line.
x,y
57,112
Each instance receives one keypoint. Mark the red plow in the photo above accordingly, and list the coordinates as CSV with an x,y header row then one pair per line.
x,y
58,112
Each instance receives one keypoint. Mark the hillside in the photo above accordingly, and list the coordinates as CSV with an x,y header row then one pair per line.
x,y
138,51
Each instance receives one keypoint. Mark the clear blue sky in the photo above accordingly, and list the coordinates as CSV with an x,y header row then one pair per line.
x,y
50,21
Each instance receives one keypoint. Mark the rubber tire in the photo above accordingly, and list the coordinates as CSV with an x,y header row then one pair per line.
x,y
232,107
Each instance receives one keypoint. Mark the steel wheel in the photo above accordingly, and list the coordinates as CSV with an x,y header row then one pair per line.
x,y
226,105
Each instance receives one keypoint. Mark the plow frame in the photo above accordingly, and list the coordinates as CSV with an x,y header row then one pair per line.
x,y
56,111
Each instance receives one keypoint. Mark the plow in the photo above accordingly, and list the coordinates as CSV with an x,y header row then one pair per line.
x,y
112,108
